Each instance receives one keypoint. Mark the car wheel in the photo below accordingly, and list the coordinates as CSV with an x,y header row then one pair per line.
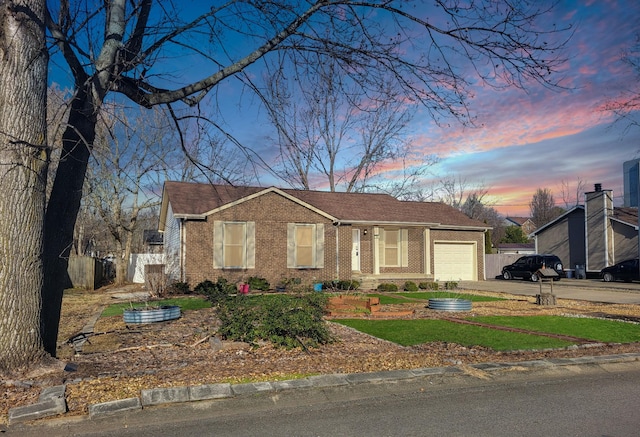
x,y
507,275
608,277
534,277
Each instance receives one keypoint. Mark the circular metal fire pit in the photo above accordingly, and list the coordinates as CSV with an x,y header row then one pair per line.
x,y
449,304
150,315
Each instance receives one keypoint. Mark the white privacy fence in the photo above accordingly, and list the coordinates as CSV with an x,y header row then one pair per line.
x,y
137,261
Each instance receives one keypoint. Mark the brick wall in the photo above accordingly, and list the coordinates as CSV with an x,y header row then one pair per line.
x,y
271,213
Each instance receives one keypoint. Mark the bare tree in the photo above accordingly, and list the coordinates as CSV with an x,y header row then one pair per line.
x,y
625,107
337,133
542,207
571,197
119,47
129,163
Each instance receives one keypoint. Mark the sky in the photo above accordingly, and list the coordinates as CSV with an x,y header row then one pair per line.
x,y
523,141
545,138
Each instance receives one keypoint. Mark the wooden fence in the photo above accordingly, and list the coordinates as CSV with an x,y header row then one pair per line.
x,y
494,262
86,272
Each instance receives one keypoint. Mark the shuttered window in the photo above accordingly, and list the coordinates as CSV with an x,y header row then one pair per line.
x,y
234,245
394,247
305,245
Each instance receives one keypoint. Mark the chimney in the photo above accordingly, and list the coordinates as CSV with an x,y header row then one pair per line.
x,y
598,231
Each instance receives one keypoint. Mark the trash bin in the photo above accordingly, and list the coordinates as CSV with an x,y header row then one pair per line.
x,y
317,286
569,273
581,273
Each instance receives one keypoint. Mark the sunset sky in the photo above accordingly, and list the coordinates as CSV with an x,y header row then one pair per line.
x,y
540,138
544,137
523,140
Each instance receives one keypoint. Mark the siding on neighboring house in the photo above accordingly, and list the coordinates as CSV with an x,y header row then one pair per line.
x,y
565,238
172,247
625,242
594,236
598,229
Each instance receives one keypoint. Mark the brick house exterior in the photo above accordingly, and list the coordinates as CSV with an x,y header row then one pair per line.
x,y
213,231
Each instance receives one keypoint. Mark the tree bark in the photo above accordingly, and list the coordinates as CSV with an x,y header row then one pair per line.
x,y
24,156
62,211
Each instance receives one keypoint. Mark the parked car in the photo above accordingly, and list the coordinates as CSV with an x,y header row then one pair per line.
x,y
526,267
623,271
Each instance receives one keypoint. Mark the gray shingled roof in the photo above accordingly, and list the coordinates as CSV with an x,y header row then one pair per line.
x,y
193,199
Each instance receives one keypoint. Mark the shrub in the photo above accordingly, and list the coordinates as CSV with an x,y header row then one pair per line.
x,y
284,320
215,292
429,286
450,285
343,285
179,288
387,287
256,283
410,286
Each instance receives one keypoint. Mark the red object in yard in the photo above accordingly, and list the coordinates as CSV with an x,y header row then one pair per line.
x,y
244,288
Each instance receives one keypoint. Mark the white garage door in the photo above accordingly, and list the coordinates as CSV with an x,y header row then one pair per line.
x,y
455,262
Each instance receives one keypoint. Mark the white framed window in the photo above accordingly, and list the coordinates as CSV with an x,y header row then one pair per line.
x,y
234,245
305,245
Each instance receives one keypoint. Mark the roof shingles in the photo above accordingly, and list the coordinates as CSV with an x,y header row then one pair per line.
x,y
198,199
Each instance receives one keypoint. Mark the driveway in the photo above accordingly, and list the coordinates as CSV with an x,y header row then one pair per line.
x,y
593,290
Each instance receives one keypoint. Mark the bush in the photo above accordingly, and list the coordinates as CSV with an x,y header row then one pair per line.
x,y
256,283
215,292
450,285
179,288
341,285
387,287
429,286
410,286
284,320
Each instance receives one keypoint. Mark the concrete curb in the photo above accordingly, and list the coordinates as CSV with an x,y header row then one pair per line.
x,y
50,403
219,391
52,400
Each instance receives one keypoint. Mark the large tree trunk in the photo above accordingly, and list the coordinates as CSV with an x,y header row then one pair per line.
x,y
24,157
62,212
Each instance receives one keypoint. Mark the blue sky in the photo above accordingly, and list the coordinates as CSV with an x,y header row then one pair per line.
x,y
539,138
523,140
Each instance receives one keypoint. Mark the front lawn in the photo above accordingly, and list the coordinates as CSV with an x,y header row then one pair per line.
x,y
413,332
185,303
606,331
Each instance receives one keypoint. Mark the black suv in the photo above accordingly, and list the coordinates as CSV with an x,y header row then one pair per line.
x,y
527,266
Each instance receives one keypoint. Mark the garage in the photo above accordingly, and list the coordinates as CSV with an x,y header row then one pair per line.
x,y
455,261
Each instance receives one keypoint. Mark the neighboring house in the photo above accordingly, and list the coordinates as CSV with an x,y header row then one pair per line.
x,y
213,231
524,223
517,248
594,235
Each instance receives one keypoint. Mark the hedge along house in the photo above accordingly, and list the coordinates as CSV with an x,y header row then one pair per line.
x,y
213,231
594,235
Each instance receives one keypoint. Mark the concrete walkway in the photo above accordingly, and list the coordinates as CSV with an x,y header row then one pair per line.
x,y
581,289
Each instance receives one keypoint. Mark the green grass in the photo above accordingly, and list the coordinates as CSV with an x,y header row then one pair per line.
x,y
185,303
412,332
594,329
396,298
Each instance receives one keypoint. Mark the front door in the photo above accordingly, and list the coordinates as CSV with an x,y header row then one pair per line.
x,y
355,250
